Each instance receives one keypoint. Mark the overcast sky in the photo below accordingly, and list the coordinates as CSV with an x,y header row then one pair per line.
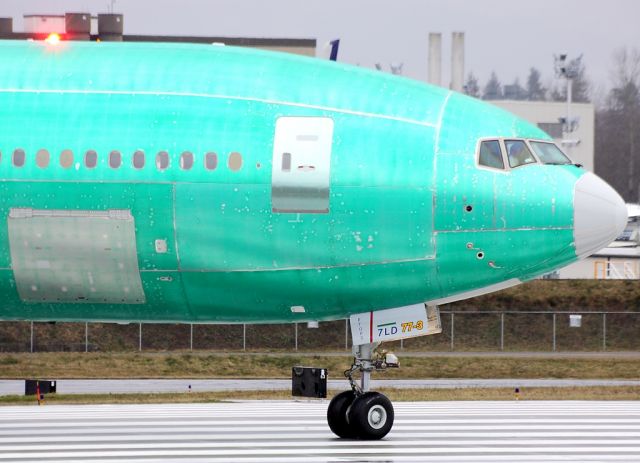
x,y
508,36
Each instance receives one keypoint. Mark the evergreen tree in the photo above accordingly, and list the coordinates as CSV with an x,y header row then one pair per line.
x,y
471,86
580,86
493,89
514,91
535,90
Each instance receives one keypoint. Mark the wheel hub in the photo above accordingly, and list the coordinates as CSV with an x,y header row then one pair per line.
x,y
377,416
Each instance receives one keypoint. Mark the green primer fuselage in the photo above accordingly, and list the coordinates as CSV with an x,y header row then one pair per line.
x,y
402,173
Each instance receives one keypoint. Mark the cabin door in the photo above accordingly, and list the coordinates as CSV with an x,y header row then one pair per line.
x,y
301,164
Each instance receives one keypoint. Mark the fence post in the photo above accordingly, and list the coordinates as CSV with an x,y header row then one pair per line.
x,y
554,332
86,336
140,337
191,337
346,334
296,336
604,331
453,332
244,336
502,331
31,349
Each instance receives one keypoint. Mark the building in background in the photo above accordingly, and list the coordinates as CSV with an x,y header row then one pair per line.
x,y
548,114
44,23
618,261
110,27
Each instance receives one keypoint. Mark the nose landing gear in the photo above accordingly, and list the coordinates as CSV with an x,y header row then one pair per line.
x,y
360,413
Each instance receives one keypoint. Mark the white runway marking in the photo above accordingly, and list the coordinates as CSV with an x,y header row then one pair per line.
x,y
283,431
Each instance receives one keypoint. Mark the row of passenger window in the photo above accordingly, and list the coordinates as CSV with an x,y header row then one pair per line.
x,y
138,159
519,153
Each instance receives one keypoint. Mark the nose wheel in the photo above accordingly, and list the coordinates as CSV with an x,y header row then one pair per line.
x,y
368,416
360,413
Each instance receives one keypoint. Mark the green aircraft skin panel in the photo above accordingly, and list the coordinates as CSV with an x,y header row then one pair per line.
x,y
402,175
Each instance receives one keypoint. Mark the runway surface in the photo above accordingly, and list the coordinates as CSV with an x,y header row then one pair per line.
x,y
119,386
271,431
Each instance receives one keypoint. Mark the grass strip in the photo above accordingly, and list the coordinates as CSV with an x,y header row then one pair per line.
x,y
68,365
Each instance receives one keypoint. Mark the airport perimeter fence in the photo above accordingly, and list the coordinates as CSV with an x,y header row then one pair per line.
x,y
543,331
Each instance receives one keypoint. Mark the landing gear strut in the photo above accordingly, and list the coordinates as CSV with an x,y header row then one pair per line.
x,y
361,413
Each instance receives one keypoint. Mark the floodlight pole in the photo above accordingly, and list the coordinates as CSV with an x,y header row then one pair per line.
x,y
569,96
568,70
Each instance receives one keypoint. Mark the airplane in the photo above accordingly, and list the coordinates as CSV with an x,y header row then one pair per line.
x,y
148,182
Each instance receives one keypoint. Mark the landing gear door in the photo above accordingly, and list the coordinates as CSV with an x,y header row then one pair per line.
x,y
301,165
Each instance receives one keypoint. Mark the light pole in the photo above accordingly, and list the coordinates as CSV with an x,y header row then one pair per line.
x,y
568,70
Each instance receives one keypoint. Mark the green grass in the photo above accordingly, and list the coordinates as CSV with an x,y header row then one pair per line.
x,y
206,365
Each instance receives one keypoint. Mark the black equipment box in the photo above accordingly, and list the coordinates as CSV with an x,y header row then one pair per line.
x,y
46,387
309,382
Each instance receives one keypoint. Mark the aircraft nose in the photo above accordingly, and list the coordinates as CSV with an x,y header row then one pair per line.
x,y
599,214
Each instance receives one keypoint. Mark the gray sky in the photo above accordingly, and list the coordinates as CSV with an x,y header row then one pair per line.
x,y
507,36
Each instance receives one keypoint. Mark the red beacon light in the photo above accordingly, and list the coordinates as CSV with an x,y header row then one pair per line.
x,y
53,39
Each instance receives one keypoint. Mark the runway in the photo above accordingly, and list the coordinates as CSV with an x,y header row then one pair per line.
x,y
121,386
286,431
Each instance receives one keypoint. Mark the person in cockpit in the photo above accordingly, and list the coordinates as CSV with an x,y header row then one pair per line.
x,y
519,154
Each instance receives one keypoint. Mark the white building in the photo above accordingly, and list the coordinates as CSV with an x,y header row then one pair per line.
x,y
547,114
44,23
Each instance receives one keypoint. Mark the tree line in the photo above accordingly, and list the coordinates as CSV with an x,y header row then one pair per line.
x,y
617,115
533,89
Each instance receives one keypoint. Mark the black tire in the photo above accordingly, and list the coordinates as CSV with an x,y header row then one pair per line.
x,y
337,414
371,416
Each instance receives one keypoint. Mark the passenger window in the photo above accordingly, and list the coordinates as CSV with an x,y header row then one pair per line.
x,y
549,153
115,159
42,158
235,161
518,153
186,160
138,159
18,157
211,161
162,160
66,158
90,159
491,154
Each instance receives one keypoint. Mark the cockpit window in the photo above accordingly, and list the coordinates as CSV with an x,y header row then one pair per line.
x,y
549,153
518,153
491,154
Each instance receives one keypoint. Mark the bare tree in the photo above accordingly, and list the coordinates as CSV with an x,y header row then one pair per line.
x,y
617,141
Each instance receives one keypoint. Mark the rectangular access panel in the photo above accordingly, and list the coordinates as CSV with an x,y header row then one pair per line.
x,y
75,256
301,164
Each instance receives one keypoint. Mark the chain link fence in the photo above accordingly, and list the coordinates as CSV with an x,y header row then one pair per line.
x,y
461,331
